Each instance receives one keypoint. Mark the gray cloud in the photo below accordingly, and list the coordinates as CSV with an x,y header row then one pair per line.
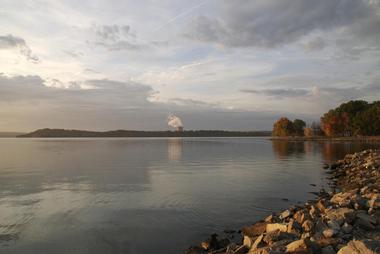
x,y
272,23
279,93
116,37
9,41
333,94
315,44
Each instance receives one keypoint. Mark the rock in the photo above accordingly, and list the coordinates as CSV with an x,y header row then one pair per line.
x,y
255,229
329,232
263,250
257,242
365,221
328,250
334,225
340,215
211,243
269,218
319,227
283,227
346,228
313,212
308,225
277,235
285,214
320,206
298,246
294,227
323,242
248,241
342,199
300,216
240,250
361,247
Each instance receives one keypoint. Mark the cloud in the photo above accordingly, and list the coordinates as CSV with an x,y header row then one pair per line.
x,y
116,37
334,95
315,44
27,103
9,42
279,93
272,23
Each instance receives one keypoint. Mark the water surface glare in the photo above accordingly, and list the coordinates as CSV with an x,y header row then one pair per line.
x,y
148,195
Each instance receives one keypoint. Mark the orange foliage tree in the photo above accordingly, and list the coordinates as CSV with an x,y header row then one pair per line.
x,y
283,127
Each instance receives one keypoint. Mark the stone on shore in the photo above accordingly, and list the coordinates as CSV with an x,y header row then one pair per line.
x,y
361,247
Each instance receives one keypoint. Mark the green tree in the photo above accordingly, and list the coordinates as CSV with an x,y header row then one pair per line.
x,y
298,126
368,122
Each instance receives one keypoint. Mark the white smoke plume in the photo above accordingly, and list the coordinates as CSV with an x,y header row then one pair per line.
x,y
174,121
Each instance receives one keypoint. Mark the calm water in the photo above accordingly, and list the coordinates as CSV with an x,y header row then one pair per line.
x,y
147,195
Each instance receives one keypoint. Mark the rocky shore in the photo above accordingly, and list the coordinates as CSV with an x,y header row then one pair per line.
x,y
344,221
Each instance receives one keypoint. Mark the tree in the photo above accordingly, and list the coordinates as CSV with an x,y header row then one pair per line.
x,y
351,118
283,127
368,122
308,132
298,126
339,121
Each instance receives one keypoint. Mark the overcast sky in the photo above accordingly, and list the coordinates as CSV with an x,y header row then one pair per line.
x,y
217,64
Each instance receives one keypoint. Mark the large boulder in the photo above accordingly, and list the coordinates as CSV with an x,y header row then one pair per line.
x,y
299,246
255,229
283,227
361,247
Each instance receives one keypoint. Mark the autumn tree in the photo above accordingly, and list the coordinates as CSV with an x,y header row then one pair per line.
x,y
283,127
308,132
351,118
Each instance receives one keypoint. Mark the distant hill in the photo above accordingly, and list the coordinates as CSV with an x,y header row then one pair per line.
x,y
10,134
62,133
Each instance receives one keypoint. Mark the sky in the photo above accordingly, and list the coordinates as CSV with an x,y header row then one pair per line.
x,y
217,64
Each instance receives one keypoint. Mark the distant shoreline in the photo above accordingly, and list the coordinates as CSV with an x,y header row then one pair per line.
x,y
63,133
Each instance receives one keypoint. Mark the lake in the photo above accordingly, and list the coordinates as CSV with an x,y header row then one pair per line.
x,y
148,195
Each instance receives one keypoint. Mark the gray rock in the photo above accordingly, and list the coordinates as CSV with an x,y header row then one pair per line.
x,y
328,250
365,221
346,228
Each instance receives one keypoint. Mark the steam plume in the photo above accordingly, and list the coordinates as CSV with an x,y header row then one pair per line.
x,y
174,121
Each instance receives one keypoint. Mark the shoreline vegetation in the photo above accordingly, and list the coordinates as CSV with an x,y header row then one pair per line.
x,y
352,120
345,220
63,133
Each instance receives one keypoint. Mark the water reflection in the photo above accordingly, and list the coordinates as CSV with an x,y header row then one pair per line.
x,y
330,151
175,149
284,149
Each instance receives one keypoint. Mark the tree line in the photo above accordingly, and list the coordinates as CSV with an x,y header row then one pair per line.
x,y
354,118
